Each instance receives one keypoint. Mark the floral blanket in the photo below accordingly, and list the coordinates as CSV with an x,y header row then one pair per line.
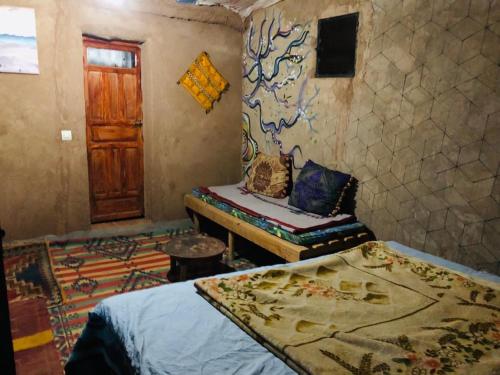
x,y
366,310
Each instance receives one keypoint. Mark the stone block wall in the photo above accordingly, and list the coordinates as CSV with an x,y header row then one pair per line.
x,y
419,124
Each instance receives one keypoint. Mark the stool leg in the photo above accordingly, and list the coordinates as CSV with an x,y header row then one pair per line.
x,y
230,246
196,222
183,272
172,273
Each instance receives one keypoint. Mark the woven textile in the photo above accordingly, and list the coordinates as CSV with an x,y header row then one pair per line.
x,y
306,238
367,310
34,346
28,274
204,82
320,190
270,175
275,210
30,289
90,270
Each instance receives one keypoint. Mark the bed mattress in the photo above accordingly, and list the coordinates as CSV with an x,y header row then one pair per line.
x,y
275,210
173,330
304,238
368,307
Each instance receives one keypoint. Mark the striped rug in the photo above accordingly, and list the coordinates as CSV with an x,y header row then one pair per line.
x,y
88,270
35,351
30,289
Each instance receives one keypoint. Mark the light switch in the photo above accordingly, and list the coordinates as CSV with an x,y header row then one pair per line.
x,y
66,135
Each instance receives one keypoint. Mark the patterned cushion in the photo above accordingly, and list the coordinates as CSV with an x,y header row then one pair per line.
x,y
319,189
270,175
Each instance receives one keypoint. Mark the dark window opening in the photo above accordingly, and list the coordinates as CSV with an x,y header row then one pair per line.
x,y
336,50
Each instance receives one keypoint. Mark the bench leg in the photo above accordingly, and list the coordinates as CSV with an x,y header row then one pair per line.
x,y
230,246
196,222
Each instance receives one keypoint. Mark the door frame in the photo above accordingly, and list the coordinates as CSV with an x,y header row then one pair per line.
x,y
122,45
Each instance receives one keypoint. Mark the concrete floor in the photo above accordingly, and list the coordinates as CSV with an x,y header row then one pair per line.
x,y
115,228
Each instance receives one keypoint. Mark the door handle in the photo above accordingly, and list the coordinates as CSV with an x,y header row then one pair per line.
x,y
138,124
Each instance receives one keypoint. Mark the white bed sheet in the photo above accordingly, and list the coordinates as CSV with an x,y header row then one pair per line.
x,y
172,330
276,210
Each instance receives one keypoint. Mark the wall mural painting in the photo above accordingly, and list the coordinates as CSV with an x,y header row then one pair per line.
x,y
274,66
249,146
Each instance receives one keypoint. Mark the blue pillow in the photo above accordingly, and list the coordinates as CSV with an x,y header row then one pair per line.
x,y
319,190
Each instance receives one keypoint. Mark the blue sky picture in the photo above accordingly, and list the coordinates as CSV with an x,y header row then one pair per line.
x,y
18,46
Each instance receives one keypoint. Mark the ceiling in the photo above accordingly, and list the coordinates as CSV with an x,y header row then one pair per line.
x,y
243,7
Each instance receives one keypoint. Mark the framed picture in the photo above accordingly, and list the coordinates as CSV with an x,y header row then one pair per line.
x,y
18,47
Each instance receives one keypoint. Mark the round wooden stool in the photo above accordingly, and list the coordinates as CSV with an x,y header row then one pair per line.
x,y
194,256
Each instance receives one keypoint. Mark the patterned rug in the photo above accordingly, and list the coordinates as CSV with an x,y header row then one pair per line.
x,y
89,270
28,274
35,351
30,289
60,282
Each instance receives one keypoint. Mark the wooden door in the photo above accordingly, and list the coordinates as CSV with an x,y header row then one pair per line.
x,y
112,78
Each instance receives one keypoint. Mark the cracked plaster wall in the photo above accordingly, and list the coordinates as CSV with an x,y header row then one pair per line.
x,y
44,182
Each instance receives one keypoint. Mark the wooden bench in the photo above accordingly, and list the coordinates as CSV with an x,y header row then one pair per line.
x,y
282,248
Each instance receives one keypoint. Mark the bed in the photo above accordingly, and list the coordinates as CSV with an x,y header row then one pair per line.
x,y
274,225
172,329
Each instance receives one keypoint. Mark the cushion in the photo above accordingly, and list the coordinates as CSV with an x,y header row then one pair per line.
x,y
270,175
320,190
